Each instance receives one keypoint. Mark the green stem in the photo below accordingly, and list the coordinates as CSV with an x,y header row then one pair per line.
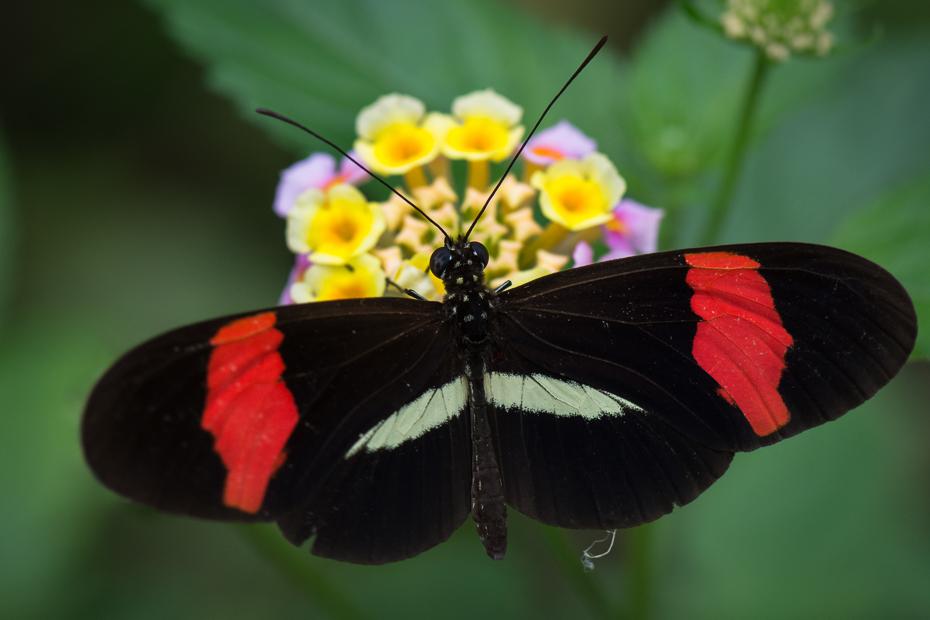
x,y
569,562
721,206
639,554
318,587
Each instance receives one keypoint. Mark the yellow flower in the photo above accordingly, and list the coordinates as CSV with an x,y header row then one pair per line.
x,y
579,194
334,226
487,127
414,273
359,277
395,136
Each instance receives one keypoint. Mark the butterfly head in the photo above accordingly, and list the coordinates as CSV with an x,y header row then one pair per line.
x,y
460,264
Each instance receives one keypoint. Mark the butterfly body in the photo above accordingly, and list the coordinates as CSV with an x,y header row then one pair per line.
x,y
597,397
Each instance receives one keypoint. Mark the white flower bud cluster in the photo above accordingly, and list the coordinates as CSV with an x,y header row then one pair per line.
x,y
781,27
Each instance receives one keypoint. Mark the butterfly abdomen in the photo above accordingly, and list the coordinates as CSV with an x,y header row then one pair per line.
x,y
487,491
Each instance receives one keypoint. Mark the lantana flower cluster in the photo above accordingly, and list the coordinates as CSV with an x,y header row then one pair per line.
x,y
566,207
781,27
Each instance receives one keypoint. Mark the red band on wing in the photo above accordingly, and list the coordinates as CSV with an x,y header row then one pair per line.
x,y
243,328
741,342
249,410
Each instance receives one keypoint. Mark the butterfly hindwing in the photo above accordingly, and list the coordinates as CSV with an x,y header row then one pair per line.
x,y
401,485
576,456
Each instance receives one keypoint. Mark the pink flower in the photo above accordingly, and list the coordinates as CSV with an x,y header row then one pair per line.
x,y
633,230
315,172
583,254
301,264
561,141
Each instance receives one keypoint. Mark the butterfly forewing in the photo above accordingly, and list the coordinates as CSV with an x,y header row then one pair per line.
x,y
208,420
715,350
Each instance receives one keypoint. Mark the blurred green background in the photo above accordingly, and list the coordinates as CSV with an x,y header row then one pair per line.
x,y
135,196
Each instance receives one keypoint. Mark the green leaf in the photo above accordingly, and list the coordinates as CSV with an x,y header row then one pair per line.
x,y
687,88
321,62
6,229
895,233
696,15
685,94
48,509
852,144
829,524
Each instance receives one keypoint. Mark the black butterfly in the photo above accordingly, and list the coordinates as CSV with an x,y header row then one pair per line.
x,y
599,397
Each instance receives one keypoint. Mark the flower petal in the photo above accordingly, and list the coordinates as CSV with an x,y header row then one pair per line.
x,y
314,171
350,172
301,264
579,194
362,276
393,109
299,218
638,230
619,248
643,223
583,254
487,104
334,227
486,127
400,147
561,141
414,273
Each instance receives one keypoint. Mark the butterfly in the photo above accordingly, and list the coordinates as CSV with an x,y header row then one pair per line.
x,y
600,397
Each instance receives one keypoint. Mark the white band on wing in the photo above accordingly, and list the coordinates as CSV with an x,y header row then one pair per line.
x,y
543,394
531,393
431,410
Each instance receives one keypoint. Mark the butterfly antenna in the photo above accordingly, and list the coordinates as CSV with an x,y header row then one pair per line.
x,y
593,53
281,117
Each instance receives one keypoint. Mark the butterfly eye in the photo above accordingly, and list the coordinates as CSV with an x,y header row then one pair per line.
x,y
480,252
439,262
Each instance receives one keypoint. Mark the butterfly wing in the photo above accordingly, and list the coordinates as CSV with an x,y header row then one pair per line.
x,y
662,366
274,415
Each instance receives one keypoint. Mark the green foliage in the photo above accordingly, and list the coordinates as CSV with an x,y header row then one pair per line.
x,y
851,144
47,510
6,229
687,88
827,524
321,62
894,231
830,524
684,96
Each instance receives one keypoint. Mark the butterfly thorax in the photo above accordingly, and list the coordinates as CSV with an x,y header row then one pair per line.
x,y
468,302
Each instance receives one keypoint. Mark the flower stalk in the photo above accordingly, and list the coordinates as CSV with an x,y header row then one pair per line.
x,y
640,551
721,206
